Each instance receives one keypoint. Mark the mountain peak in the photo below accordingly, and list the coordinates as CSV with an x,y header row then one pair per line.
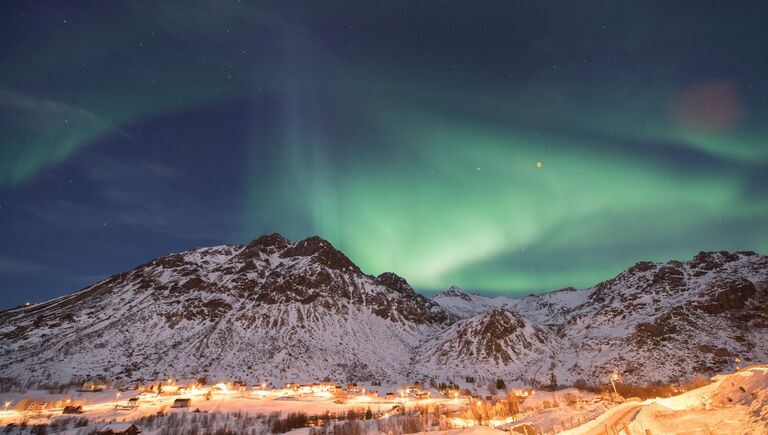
x,y
501,320
268,243
455,292
394,282
325,253
710,260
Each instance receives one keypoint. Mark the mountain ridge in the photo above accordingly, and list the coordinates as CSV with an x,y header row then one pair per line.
x,y
272,308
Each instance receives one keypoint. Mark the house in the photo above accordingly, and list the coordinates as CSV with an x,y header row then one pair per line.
x,y
390,396
31,405
119,429
519,393
317,388
90,387
354,389
148,396
181,403
132,403
72,409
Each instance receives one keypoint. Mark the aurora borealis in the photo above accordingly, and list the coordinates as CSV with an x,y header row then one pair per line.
x,y
406,133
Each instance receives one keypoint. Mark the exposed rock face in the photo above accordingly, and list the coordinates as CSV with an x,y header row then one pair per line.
x,y
498,343
300,311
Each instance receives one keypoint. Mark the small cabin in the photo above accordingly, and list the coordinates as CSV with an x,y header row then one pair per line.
x,y
182,403
119,429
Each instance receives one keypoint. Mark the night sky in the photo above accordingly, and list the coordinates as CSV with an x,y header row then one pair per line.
x,y
504,147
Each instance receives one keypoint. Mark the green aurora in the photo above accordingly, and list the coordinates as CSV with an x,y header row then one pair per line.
x,y
452,199
424,162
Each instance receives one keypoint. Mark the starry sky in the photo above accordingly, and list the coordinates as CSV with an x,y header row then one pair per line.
x,y
504,147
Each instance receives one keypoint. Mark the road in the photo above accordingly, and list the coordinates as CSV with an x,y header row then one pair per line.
x,y
617,419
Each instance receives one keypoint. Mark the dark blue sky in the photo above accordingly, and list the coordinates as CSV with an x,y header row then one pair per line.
x,y
409,134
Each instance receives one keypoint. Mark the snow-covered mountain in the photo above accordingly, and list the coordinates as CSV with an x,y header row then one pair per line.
x,y
666,321
544,308
653,322
301,311
271,309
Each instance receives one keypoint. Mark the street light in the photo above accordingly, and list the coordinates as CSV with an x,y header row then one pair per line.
x,y
6,405
614,377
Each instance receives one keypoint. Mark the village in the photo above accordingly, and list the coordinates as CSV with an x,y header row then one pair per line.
x,y
225,408
107,407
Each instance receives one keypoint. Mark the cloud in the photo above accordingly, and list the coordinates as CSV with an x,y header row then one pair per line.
x,y
140,194
15,266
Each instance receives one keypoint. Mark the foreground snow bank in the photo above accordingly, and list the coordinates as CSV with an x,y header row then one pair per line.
x,y
736,403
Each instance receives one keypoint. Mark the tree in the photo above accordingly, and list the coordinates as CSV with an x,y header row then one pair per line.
x,y
500,384
368,414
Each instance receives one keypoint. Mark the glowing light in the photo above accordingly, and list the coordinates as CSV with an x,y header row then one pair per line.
x,y
538,164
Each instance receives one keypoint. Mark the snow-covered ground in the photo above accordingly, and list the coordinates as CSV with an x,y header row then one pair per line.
x,y
735,403
248,411
731,404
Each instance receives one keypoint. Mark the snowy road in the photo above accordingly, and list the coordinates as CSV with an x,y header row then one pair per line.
x,y
616,420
